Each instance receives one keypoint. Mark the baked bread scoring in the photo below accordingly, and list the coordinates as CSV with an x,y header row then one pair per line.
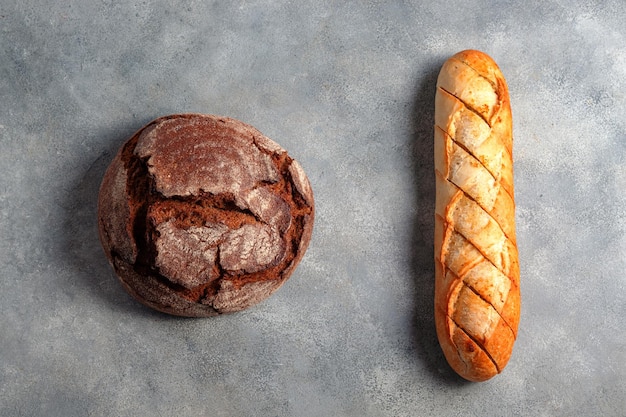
x,y
477,295
201,215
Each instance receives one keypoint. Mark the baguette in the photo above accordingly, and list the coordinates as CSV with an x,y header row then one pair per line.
x,y
477,295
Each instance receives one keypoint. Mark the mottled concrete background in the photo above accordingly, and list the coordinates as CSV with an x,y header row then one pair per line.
x,y
347,88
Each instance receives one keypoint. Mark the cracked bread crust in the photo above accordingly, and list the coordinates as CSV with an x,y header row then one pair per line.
x,y
477,295
201,215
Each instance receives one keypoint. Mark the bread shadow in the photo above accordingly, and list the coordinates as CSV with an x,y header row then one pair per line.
x,y
422,252
81,243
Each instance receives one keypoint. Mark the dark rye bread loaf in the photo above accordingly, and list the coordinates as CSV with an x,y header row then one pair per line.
x,y
201,215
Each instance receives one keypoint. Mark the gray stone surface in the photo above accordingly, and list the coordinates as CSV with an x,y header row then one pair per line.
x,y
347,88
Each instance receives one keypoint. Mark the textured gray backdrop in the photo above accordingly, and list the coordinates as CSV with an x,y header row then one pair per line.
x,y
347,88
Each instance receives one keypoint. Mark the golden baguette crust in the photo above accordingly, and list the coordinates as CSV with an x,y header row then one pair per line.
x,y
477,296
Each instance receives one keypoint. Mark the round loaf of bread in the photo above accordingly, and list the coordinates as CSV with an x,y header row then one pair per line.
x,y
201,215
